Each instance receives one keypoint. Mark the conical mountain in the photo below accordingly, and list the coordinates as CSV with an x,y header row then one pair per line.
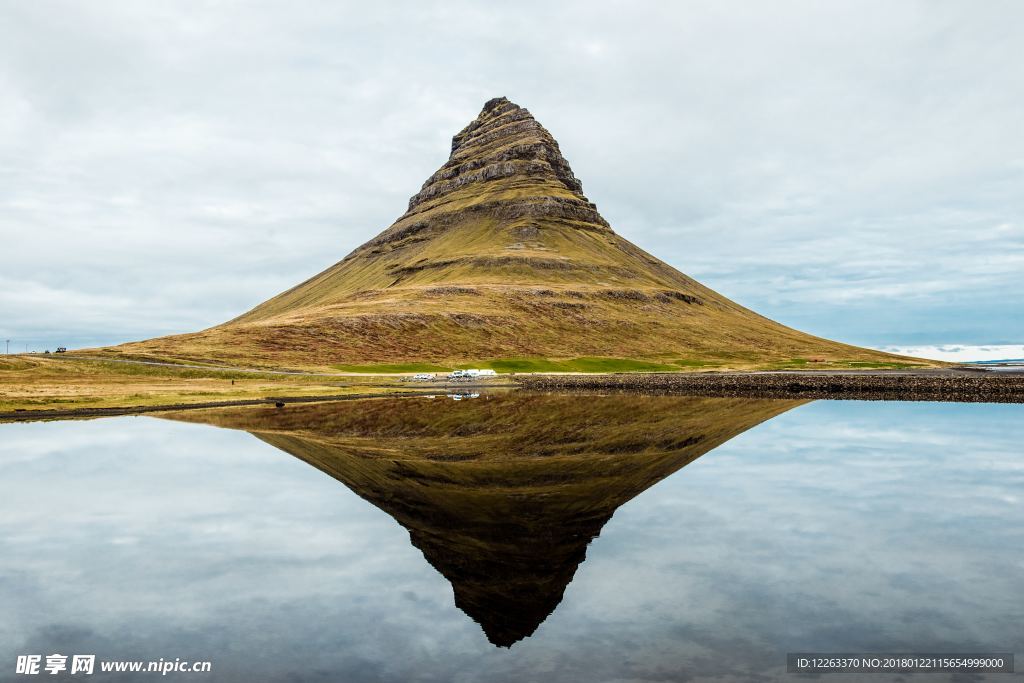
x,y
500,255
501,494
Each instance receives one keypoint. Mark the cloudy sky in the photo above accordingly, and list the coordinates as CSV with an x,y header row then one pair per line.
x,y
853,169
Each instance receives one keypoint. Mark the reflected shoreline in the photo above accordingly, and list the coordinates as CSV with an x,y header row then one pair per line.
x,y
501,493
955,384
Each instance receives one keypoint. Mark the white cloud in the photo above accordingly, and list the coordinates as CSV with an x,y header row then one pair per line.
x,y
855,165
960,353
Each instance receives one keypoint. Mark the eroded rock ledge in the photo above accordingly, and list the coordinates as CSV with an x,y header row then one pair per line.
x,y
504,141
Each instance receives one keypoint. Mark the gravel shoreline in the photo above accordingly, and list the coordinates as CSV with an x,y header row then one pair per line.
x,y
966,386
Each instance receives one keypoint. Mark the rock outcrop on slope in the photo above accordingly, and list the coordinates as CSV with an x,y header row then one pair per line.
x,y
501,255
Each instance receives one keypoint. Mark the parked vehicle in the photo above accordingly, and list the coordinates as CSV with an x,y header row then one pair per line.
x,y
62,349
423,377
471,373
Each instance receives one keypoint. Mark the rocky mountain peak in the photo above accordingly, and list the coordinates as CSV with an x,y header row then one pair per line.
x,y
503,142
500,256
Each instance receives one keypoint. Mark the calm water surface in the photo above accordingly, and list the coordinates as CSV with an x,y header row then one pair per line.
x,y
514,538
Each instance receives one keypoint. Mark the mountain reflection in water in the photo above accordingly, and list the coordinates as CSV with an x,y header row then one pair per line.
x,y
504,493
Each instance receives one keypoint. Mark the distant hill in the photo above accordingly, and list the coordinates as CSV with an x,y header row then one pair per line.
x,y
500,259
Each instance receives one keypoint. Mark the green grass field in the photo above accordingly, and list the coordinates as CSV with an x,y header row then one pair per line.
x,y
391,368
593,364
509,365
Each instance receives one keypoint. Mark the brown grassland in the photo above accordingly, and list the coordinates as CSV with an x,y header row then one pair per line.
x,y
33,383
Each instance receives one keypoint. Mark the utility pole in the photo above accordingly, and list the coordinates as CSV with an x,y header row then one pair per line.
x,y
8,347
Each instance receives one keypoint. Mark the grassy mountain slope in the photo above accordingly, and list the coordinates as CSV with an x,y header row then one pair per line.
x,y
501,256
